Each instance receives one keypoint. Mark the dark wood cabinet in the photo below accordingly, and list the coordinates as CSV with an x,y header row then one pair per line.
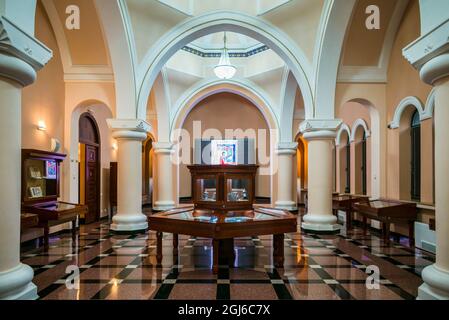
x,y
40,191
223,187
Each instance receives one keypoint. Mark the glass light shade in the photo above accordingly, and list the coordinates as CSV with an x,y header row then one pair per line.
x,y
224,69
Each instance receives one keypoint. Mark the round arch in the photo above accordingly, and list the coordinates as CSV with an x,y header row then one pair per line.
x,y
199,26
406,103
201,91
343,128
359,123
99,111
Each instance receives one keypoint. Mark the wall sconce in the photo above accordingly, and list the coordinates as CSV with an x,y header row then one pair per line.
x,y
41,126
114,146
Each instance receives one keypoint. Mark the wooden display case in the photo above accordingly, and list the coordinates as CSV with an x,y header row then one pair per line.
x,y
223,187
41,173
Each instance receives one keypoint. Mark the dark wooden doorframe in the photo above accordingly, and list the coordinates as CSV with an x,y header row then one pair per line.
x,y
146,174
92,140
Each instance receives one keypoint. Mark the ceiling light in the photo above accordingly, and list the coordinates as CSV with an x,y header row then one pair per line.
x,y
224,69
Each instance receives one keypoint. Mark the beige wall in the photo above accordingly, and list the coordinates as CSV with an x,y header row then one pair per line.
x,y
225,111
44,100
403,81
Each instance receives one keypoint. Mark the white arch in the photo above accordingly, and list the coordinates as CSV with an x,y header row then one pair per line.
x,y
217,21
185,104
328,48
402,106
287,107
118,32
430,105
359,123
343,128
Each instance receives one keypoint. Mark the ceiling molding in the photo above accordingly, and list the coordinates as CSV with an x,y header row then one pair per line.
x,y
234,53
188,12
354,74
261,12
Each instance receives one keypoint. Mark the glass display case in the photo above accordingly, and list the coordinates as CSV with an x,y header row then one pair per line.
x,y
223,187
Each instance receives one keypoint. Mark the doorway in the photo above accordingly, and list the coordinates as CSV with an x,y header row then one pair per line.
x,y
89,167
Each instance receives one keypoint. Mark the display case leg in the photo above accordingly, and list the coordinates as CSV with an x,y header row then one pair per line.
x,y
278,250
216,247
159,247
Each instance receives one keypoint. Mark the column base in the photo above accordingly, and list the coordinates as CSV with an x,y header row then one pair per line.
x,y
286,205
163,205
436,284
320,223
16,284
129,223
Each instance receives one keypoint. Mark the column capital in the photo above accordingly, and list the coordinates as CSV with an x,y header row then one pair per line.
x,y
287,148
317,129
131,129
430,53
21,55
163,147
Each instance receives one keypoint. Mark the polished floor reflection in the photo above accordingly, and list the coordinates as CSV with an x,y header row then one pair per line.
x,y
325,267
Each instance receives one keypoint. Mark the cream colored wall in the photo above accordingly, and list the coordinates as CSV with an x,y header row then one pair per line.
x,y
59,104
151,20
300,20
225,111
363,47
86,45
44,100
403,81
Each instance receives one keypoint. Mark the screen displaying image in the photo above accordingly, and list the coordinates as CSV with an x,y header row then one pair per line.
x,y
50,169
224,152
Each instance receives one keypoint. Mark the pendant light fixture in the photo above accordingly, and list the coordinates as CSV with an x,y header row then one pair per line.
x,y
224,69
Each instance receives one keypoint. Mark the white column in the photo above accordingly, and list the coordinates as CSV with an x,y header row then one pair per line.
x,y
129,135
426,55
320,137
16,71
285,196
165,192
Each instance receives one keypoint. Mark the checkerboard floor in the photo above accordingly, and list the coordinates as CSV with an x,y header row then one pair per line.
x,y
317,267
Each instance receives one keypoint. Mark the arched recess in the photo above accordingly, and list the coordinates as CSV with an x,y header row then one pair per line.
x,y
258,99
301,168
196,27
100,112
343,162
409,114
328,48
361,175
89,183
374,152
147,170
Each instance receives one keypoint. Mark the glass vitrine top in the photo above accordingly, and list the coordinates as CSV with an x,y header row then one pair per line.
x,y
212,216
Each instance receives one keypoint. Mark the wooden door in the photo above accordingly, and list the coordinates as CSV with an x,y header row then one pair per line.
x,y
92,182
